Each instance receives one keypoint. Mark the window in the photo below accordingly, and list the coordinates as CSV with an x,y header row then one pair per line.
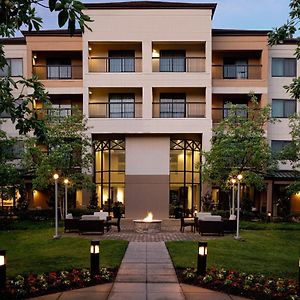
x,y
283,108
121,105
172,61
277,146
60,110
59,69
241,110
13,68
235,69
284,67
121,61
172,105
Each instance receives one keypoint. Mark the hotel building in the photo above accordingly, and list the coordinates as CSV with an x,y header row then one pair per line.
x,y
153,79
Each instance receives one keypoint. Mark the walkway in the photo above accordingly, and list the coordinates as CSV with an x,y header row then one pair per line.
x,y
146,273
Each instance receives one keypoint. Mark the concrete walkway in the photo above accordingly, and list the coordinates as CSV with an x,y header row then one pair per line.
x,y
146,273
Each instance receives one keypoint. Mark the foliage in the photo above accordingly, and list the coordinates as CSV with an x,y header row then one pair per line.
x,y
33,285
15,15
93,200
239,146
256,286
65,150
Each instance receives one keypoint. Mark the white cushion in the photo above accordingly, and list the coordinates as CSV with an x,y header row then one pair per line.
x,y
69,216
101,214
202,215
211,218
89,217
232,217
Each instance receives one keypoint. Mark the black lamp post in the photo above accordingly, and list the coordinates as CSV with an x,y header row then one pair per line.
x,y
202,255
2,269
95,257
269,217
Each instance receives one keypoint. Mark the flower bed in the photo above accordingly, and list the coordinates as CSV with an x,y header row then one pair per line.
x,y
247,285
33,285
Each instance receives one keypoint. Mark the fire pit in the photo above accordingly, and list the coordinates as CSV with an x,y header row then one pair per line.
x,y
147,225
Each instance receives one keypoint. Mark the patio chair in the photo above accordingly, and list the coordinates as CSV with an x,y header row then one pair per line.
x,y
184,223
71,225
113,222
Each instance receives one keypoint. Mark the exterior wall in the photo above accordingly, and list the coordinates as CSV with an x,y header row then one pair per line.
x,y
147,176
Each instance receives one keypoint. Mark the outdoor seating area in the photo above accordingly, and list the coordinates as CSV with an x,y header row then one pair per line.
x,y
95,223
207,224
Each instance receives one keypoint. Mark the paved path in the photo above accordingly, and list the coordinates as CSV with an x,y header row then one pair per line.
x,y
146,273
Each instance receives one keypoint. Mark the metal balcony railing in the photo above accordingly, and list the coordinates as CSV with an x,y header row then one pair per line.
x,y
178,110
120,109
57,72
115,64
178,64
236,71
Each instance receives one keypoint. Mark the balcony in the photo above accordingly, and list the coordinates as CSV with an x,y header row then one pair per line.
x,y
178,64
241,72
115,64
58,72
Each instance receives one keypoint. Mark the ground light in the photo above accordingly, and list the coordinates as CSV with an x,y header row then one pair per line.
x,y
202,255
239,178
2,269
56,236
94,250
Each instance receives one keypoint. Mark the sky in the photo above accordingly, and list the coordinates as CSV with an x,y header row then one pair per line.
x,y
241,14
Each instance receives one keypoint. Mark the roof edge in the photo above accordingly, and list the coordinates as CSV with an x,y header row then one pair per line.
x,y
13,41
238,32
52,32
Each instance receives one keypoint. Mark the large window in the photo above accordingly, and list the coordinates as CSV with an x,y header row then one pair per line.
x,y
172,61
121,61
121,105
241,108
284,67
235,69
13,68
185,181
172,105
283,108
59,69
110,172
278,145
60,110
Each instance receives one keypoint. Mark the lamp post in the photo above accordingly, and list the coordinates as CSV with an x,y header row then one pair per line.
x,y
66,181
269,217
94,250
2,269
202,255
56,236
239,178
233,180
299,276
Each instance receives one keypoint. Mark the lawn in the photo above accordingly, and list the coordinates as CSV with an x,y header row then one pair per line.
x,y
270,251
34,250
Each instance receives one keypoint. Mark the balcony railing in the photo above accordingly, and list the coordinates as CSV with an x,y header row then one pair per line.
x,y
237,71
115,64
55,113
58,72
218,114
178,110
115,110
178,64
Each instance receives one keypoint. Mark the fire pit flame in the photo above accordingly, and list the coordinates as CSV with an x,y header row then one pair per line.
x,y
149,217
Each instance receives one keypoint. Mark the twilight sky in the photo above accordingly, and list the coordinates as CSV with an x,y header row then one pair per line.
x,y
242,14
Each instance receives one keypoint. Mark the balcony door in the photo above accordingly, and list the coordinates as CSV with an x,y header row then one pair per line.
x,y
121,105
172,105
235,68
172,61
241,108
59,69
121,61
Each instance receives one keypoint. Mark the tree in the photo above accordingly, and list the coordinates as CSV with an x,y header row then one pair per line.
x,y
66,150
19,14
239,146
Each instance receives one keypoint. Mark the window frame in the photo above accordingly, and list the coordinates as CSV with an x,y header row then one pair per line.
x,y
7,68
283,59
171,97
170,55
124,99
284,101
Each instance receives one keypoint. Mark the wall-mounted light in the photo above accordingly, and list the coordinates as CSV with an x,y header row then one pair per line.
x,y
155,53
95,254
90,48
90,92
202,255
2,269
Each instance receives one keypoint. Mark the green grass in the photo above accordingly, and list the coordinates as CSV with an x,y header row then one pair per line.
x,y
34,250
269,252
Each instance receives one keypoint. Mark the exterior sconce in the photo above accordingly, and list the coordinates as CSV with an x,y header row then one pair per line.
x,y
2,269
94,250
202,255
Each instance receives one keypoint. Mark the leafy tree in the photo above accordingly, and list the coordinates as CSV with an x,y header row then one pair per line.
x,y
239,146
15,15
65,150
